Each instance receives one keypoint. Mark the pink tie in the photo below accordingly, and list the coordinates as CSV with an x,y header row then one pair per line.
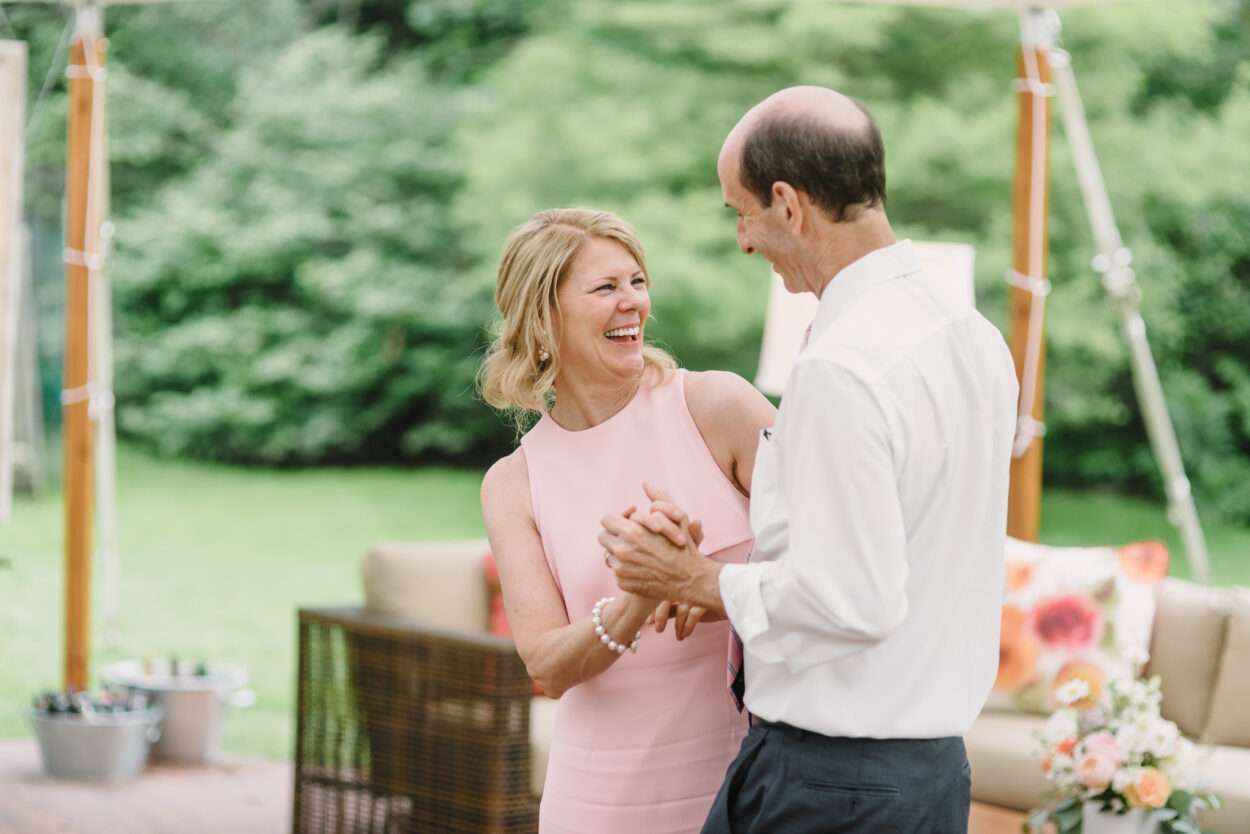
x,y
735,679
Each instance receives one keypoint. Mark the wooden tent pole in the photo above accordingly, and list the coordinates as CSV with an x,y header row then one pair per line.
x,y
1030,208
77,422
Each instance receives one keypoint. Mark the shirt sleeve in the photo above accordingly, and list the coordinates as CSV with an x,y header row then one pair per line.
x,y
839,584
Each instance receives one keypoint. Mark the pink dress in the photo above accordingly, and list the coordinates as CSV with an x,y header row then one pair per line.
x,y
641,748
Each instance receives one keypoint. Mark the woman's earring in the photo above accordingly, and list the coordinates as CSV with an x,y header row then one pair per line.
x,y
543,355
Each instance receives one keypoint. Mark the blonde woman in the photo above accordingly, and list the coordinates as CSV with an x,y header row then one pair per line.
x,y
645,727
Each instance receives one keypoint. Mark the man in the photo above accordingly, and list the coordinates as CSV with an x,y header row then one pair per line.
x,y
868,613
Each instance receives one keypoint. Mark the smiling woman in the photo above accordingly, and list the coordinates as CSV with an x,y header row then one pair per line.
x,y
644,726
605,285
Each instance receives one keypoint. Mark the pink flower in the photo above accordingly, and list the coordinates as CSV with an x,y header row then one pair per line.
x,y
1104,745
1072,622
1096,771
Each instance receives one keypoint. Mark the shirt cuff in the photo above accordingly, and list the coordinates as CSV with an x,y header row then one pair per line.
x,y
744,606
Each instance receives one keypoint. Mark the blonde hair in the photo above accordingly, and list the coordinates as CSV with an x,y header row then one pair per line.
x,y
514,376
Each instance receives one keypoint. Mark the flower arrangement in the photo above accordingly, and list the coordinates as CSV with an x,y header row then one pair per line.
x,y
1112,753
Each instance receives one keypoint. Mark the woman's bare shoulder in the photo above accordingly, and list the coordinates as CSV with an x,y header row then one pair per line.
x,y
710,392
506,482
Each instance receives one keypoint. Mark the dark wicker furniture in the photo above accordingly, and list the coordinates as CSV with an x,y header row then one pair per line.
x,y
403,729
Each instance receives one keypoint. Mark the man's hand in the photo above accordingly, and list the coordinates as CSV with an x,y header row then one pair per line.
x,y
651,565
687,616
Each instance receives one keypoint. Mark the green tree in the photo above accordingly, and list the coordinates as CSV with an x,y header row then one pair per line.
x,y
623,105
297,299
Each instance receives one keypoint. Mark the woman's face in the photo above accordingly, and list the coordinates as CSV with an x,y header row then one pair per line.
x,y
603,308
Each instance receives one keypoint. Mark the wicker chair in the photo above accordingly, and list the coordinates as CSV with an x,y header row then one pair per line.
x,y
408,729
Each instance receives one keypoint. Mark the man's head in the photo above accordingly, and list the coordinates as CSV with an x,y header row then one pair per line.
x,y
801,168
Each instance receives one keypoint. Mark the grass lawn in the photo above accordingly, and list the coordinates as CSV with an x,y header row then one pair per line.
x,y
216,560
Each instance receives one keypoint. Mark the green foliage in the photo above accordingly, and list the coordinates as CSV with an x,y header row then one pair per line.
x,y
636,127
454,38
171,79
310,280
296,299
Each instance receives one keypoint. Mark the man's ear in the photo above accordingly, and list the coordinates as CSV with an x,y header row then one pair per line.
x,y
792,202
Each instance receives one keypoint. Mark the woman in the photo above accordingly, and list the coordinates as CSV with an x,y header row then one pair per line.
x,y
645,727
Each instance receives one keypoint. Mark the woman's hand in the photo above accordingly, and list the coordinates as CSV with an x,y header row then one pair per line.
x,y
686,617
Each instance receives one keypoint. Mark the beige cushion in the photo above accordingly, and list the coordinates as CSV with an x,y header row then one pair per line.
x,y
1229,722
1006,767
1227,773
436,584
1185,650
542,726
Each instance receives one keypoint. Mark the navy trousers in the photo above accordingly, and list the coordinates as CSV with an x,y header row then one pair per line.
x,y
790,781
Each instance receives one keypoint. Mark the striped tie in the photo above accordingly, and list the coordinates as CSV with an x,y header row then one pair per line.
x,y
735,677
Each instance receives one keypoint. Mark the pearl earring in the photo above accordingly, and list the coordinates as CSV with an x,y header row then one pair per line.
x,y
543,355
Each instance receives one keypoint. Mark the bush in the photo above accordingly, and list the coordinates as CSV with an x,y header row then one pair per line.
x,y
302,296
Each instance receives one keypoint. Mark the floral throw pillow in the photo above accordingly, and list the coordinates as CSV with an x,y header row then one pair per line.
x,y
1073,612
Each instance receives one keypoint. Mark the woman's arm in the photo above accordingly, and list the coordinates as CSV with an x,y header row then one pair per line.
x,y
729,413
558,654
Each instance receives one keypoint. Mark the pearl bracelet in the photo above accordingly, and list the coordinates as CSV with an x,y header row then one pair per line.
x,y
596,617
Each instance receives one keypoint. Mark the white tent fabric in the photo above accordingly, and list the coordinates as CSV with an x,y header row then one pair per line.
x,y
947,265
12,144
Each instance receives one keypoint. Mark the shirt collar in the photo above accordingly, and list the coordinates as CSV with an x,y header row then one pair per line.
x,y
875,268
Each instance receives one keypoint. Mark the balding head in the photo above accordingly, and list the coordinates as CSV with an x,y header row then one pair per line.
x,y
820,141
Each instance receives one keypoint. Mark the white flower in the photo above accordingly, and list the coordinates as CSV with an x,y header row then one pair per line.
x,y
1184,768
1062,724
1160,738
1123,778
1063,773
1072,691
1130,737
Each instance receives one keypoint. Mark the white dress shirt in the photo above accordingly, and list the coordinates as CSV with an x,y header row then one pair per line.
x,y
871,604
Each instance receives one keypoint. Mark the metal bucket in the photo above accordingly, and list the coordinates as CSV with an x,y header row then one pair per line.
x,y
103,747
193,706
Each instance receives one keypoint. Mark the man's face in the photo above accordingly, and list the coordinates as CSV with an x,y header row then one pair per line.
x,y
760,230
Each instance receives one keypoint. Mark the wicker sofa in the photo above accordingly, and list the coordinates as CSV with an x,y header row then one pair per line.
x,y
413,719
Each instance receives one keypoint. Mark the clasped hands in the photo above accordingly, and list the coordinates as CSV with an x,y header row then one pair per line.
x,y
655,555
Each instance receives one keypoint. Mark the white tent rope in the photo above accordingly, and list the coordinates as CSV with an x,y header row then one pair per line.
x,y
91,261
1037,286
1114,263
100,410
1028,429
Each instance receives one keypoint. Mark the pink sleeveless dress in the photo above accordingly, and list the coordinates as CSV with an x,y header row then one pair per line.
x,y
643,747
